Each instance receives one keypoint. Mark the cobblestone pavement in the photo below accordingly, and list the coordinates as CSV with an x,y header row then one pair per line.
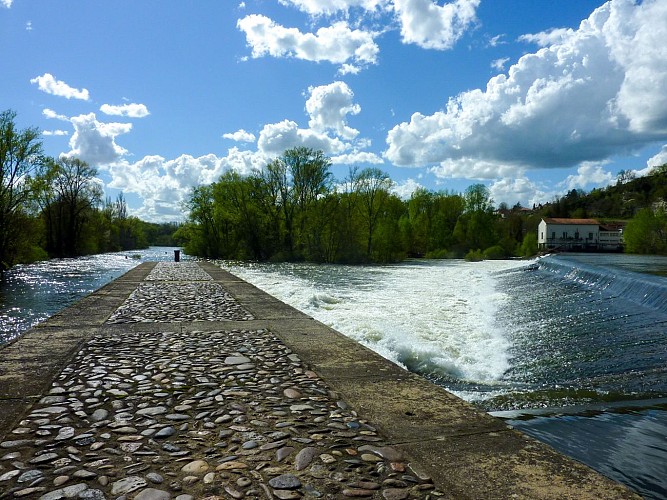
x,y
186,414
179,292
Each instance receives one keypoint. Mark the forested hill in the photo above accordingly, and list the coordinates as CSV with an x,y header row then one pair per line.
x,y
622,201
641,202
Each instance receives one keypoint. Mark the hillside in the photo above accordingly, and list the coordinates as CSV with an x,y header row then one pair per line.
x,y
621,201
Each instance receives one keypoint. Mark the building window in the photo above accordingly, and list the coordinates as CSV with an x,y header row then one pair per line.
x,y
590,236
564,235
553,235
576,235
541,236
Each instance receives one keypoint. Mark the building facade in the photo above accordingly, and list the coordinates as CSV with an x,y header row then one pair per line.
x,y
579,235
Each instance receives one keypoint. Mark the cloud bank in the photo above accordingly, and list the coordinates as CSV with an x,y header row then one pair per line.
x,y
586,95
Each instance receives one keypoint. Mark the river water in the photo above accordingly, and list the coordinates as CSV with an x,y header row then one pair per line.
x,y
31,293
569,349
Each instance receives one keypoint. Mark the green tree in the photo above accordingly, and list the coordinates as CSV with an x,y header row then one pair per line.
x,y
529,245
421,213
476,228
372,189
69,196
646,233
20,158
447,210
203,236
296,180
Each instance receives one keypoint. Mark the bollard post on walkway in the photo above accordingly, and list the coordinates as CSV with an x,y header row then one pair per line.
x,y
177,255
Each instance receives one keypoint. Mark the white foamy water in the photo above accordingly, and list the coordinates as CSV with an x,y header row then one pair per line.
x,y
434,317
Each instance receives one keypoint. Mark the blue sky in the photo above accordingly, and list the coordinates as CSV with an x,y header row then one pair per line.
x,y
531,98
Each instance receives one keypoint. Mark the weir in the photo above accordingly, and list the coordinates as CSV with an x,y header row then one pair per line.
x,y
645,290
182,381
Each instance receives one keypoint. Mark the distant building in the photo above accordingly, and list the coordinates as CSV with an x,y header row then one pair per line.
x,y
579,235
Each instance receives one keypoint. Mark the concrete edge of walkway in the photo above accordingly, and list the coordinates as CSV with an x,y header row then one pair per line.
x,y
466,452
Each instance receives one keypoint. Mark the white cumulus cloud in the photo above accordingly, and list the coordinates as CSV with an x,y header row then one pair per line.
x,y
95,142
546,38
52,115
164,185
405,189
130,110
240,136
328,107
599,90
589,173
55,132
433,26
521,190
328,7
499,64
337,44
6,3
275,138
356,158
659,159
48,83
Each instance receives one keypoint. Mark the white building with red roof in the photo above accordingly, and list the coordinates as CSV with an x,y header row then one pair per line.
x,y
579,235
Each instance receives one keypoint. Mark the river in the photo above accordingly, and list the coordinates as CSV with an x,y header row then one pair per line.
x,y
31,293
569,349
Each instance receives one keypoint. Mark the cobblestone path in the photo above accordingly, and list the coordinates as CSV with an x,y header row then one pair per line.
x,y
176,412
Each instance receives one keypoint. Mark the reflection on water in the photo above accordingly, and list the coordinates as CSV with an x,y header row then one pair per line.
x,y
624,444
31,293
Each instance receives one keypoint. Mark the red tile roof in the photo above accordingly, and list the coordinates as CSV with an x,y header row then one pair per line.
x,y
579,222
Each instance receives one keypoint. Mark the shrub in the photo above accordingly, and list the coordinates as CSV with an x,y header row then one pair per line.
x,y
474,256
528,247
495,253
439,254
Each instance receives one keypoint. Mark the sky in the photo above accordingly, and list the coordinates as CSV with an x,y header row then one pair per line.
x,y
531,98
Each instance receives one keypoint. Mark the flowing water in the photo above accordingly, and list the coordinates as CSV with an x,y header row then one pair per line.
x,y
31,293
569,349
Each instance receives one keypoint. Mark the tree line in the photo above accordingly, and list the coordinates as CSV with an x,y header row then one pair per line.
x,y
54,207
294,209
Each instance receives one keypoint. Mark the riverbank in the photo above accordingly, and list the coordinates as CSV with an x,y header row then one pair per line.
x,y
201,384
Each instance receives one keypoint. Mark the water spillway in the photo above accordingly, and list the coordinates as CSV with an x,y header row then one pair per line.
x,y
646,290
576,340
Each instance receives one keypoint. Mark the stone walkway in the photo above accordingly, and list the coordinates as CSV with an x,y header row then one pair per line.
x,y
173,411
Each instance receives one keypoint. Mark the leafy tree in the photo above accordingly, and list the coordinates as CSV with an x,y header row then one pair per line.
x,y
296,180
203,237
372,189
625,176
647,232
477,199
476,228
20,157
529,245
70,194
421,214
